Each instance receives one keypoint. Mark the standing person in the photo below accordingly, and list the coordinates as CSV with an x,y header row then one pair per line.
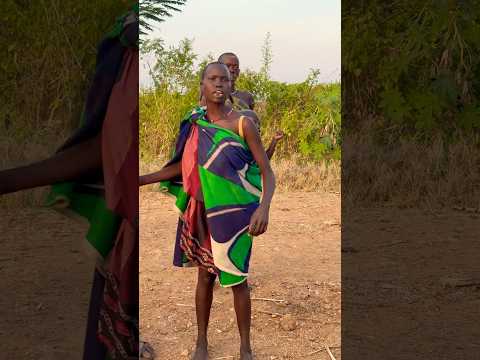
x,y
95,173
242,100
216,176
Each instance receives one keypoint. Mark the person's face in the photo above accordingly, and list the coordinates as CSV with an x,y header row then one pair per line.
x,y
233,66
216,85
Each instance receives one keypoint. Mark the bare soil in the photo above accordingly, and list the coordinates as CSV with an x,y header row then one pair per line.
x,y
399,292
45,279
296,261
410,283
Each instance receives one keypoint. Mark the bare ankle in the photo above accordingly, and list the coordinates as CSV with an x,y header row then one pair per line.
x,y
202,341
246,352
201,351
245,348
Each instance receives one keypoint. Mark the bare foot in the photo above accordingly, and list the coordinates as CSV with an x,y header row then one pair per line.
x,y
201,352
246,354
146,351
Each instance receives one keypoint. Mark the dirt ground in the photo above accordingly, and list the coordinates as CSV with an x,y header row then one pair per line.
x,y
410,284
417,278
297,262
45,279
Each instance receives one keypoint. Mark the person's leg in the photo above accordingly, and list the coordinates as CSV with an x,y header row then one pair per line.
x,y
203,304
241,296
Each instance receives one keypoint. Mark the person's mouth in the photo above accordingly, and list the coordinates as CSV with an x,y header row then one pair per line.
x,y
218,93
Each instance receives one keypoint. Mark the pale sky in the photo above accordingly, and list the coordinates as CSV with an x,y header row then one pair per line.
x,y
304,34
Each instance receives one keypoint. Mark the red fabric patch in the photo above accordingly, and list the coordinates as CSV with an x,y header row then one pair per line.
x,y
122,328
190,175
110,303
106,341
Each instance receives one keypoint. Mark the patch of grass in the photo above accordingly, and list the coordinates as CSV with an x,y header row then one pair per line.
x,y
292,174
45,74
411,173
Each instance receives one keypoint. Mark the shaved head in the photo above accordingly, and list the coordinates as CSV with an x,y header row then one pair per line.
x,y
232,62
204,71
221,58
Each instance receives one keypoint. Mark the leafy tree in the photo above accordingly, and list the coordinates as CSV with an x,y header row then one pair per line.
x,y
152,11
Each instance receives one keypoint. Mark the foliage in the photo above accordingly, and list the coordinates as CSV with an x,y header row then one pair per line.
x,y
412,68
152,11
173,66
49,53
48,63
308,112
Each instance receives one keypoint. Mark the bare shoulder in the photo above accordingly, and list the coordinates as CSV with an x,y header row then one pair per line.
x,y
251,114
249,117
246,95
248,125
250,97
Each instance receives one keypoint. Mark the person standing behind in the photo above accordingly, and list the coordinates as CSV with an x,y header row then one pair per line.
x,y
242,100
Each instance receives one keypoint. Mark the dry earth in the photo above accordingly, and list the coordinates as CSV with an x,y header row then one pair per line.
x,y
45,279
297,261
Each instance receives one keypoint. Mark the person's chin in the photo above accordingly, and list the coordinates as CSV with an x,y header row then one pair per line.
x,y
218,100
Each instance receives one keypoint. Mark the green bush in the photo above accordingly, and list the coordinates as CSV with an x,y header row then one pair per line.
x,y
308,112
412,68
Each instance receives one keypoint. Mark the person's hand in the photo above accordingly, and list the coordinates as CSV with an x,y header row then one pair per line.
x,y
278,135
259,221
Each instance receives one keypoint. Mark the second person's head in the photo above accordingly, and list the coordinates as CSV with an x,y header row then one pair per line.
x,y
232,63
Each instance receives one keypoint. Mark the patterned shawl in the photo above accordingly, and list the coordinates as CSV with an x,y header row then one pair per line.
x,y
219,171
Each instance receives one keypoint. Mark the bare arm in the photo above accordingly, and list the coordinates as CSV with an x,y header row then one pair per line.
x,y
166,173
67,165
259,220
276,138
271,149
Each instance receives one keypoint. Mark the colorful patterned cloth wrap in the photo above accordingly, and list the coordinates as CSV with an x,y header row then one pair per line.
x,y
85,197
219,190
105,198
